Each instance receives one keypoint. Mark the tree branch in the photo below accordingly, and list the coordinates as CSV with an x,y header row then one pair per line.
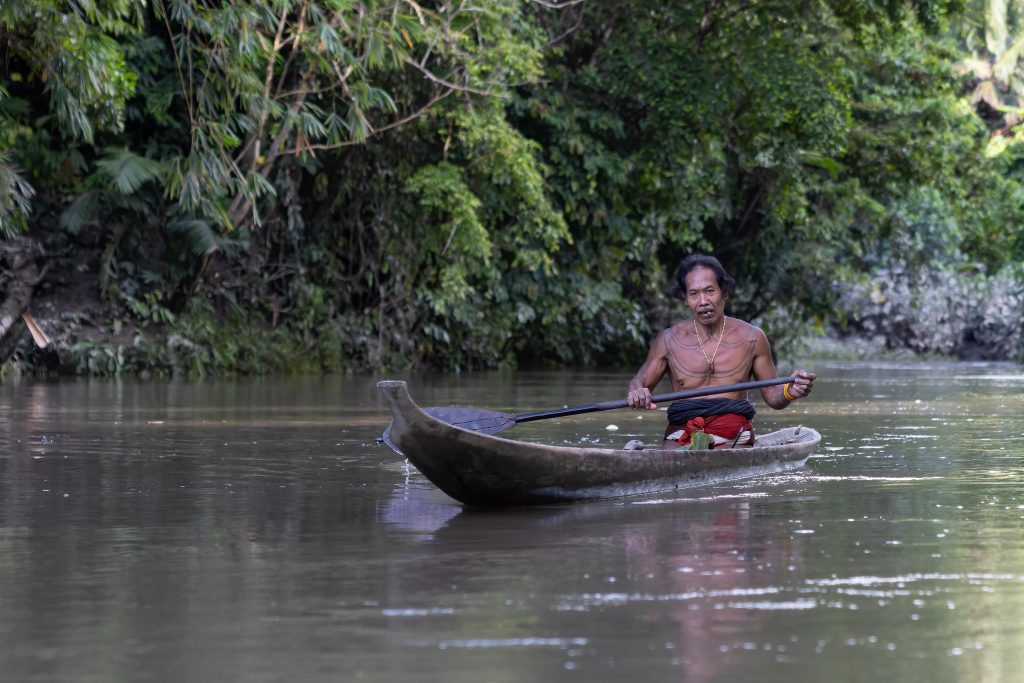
x,y
394,124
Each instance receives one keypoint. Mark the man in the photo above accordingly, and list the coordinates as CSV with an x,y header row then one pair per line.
x,y
711,349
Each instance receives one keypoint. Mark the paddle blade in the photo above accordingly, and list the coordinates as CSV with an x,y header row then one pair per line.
x,y
473,419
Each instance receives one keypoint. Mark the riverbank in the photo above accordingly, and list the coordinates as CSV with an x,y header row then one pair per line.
x,y
89,342
85,337
223,330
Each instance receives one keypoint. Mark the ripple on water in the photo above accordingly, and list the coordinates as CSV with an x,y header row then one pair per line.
x,y
416,612
863,477
911,578
702,499
916,589
487,643
990,378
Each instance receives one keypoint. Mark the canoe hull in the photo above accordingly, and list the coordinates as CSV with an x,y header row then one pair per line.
x,y
481,470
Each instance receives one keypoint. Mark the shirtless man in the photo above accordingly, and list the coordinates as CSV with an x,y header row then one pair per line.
x,y
711,349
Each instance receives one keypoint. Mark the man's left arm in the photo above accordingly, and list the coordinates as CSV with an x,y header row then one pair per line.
x,y
778,396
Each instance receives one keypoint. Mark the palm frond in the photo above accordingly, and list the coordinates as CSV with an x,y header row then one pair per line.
x,y
129,171
15,199
80,212
197,233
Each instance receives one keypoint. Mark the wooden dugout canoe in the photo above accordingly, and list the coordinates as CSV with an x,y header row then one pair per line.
x,y
482,470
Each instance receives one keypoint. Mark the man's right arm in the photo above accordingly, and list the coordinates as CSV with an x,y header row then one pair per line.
x,y
648,376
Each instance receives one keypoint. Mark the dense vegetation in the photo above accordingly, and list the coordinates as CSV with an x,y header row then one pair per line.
x,y
201,187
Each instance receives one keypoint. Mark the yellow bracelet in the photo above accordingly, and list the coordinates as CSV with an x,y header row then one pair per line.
x,y
785,391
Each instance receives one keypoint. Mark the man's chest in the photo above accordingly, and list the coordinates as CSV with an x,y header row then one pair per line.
x,y
691,358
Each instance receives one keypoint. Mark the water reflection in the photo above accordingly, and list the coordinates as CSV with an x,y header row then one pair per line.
x,y
419,511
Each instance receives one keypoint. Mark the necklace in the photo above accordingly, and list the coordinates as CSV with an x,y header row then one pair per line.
x,y
710,361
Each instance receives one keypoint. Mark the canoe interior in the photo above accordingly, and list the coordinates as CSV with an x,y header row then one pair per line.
x,y
486,471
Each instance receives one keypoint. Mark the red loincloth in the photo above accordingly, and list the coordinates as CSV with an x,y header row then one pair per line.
x,y
726,427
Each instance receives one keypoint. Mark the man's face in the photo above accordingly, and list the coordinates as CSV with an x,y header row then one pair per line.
x,y
703,296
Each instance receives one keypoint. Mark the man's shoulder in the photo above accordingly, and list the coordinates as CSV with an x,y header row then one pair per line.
x,y
678,330
748,332
744,327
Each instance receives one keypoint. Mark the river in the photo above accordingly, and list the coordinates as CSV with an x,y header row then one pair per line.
x,y
254,530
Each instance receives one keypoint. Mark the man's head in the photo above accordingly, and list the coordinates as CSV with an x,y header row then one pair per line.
x,y
704,287
725,282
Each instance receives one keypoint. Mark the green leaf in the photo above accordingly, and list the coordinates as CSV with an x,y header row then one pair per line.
x,y
128,171
198,234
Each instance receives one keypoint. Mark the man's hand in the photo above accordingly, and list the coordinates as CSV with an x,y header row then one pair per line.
x,y
803,384
640,399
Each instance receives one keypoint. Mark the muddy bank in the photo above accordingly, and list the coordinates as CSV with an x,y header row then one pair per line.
x,y
955,314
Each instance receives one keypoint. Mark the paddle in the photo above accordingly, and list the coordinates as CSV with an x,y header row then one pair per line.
x,y
489,422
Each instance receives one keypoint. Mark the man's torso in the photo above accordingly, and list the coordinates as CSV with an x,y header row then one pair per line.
x,y
732,359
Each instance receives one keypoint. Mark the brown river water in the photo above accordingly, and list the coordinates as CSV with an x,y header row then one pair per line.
x,y
254,530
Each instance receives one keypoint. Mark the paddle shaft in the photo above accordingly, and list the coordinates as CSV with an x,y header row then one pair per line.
x,y
691,393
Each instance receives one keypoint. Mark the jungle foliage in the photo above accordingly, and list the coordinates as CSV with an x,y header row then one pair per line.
x,y
272,185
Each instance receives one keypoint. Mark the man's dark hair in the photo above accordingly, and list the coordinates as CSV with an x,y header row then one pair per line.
x,y
725,281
